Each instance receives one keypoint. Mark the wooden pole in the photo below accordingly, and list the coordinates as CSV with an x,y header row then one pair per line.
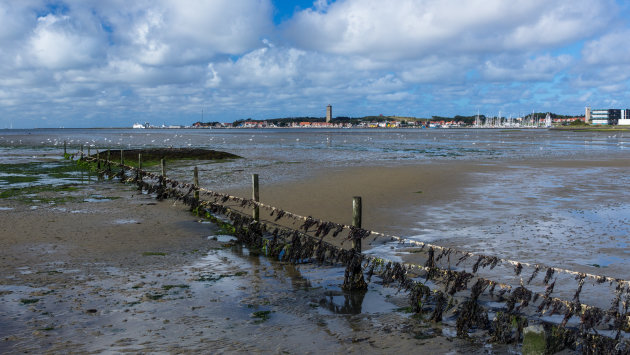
x,y
88,151
353,278
255,196
356,220
196,182
122,158
139,166
163,165
81,149
98,160
107,155
64,148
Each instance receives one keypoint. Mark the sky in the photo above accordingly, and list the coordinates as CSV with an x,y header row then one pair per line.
x,y
95,63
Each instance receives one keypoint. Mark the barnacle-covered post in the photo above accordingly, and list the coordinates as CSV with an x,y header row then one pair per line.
x,y
356,221
353,276
196,182
255,196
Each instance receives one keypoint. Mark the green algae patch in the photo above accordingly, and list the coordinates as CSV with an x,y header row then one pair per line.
x,y
29,300
261,316
152,156
153,253
170,287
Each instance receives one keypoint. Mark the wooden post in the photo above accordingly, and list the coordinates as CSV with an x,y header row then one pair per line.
x,y
196,182
88,151
139,166
122,158
163,165
255,196
64,148
81,150
98,160
353,278
356,220
107,155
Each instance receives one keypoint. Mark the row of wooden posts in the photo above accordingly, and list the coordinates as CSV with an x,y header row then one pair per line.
x,y
356,200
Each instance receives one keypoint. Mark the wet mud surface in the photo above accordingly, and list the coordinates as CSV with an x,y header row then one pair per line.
x,y
124,273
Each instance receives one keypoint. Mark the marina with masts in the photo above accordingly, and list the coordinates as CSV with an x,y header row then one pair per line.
x,y
530,121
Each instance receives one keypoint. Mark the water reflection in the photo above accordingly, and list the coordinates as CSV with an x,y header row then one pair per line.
x,y
343,302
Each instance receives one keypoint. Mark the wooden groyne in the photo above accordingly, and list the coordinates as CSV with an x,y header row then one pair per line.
x,y
482,296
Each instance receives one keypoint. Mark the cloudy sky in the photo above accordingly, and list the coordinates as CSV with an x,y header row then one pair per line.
x,y
86,63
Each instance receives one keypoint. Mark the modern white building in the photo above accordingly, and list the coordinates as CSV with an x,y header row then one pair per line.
x,y
625,117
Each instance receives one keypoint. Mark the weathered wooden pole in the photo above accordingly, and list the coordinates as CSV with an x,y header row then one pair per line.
x,y
64,148
107,155
196,182
163,165
356,220
139,166
98,160
122,157
81,150
353,278
255,196
88,151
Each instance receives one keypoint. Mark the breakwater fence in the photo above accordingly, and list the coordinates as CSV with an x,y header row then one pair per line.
x,y
483,297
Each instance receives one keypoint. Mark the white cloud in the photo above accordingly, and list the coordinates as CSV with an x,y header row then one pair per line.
x,y
92,59
612,48
169,32
410,28
57,43
541,68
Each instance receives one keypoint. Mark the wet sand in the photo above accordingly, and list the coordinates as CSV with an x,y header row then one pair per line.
x,y
505,207
133,274
124,273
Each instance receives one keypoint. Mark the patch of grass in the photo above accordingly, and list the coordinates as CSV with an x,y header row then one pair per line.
x,y
29,300
153,253
169,287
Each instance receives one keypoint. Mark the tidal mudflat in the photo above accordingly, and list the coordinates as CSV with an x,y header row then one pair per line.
x,y
555,198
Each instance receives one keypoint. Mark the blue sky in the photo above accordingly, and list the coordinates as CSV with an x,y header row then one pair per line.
x,y
89,63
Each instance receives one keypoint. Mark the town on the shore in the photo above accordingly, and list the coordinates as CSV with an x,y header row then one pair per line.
x,y
592,117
